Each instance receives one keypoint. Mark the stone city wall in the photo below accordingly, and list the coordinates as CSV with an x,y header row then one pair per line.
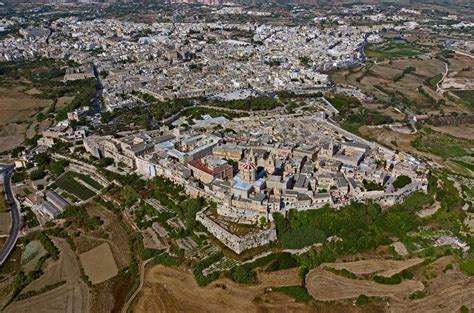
x,y
234,242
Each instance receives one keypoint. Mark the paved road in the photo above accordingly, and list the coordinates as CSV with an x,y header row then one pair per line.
x,y
6,171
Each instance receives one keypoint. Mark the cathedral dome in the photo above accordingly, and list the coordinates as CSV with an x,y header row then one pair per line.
x,y
248,166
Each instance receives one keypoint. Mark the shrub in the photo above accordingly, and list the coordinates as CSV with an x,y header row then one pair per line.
x,y
242,275
362,300
299,293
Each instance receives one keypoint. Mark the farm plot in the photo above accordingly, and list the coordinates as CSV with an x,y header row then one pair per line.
x,y
86,180
71,183
99,264
467,96
71,296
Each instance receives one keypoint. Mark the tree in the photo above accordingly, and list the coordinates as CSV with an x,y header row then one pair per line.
x,y
401,181
242,275
105,117
104,162
362,300
37,174
464,309
263,221
57,167
129,195
42,159
15,152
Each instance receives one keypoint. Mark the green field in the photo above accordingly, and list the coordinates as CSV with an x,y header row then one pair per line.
x,y
467,97
391,50
88,180
441,144
67,183
432,82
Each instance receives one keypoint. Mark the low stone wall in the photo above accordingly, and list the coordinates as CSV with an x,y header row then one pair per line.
x,y
84,170
234,242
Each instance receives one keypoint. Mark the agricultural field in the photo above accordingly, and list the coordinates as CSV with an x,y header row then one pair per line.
x,y
59,288
392,49
442,145
382,267
63,285
16,113
446,145
5,223
444,287
326,286
87,180
99,264
463,131
13,264
433,81
3,201
400,83
466,96
163,291
75,184
33,95
454,152
111,293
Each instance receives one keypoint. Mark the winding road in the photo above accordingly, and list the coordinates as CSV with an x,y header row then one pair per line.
x,y
129,302
6,172
440,89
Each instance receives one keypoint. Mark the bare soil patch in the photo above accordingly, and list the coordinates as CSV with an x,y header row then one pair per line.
x,y
99,264
117,233
17,105
429,211
459,66
63,101
11,135
5,223
400,248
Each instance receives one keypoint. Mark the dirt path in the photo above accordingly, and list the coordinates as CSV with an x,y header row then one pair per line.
x,y
439,89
